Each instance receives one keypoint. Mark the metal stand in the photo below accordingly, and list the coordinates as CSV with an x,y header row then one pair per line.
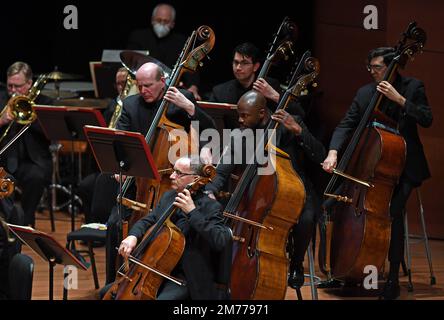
x,y
423,238
314,280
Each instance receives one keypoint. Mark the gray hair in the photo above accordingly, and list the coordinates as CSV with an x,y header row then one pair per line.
x,y
173,11
18,67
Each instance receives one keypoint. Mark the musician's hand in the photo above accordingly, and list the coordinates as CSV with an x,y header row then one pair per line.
x,y
116,176
284,118
6,118
211,195
127,246
195,91
184,201
330,162
176,97
263,87
390,92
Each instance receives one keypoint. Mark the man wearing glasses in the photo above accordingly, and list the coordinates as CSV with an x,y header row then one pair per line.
x,y
408,106
245,64
200,220
28,159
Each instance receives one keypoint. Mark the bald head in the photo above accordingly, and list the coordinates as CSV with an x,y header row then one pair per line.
x,y
150,82
251,109
253,99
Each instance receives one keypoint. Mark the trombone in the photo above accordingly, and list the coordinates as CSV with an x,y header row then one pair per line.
x,y
21,109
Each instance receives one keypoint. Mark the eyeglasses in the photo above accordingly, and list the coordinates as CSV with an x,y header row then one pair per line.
x,y
180,174
242,63
376,67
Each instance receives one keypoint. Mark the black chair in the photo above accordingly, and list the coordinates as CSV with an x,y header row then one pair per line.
x,y
21,271
91,237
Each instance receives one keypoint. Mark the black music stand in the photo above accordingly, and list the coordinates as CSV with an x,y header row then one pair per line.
x,y
66,123
48,249
121,152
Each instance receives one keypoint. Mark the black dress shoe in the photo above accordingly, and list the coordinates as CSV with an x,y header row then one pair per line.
x,y
296,278
391,290
330,284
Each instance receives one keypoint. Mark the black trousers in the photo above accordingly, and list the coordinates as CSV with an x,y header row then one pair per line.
x,y
98,193
302,232
32,180
397,209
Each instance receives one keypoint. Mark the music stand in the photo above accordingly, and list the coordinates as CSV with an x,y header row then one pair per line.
x,y
121,152
48,249
66,123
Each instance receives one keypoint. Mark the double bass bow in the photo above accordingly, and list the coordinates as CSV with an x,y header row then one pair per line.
x,y
358,221
262,219
155,257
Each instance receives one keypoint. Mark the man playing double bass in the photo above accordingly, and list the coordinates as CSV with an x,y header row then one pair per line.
x,y
408,107
200,220
137,115
294,138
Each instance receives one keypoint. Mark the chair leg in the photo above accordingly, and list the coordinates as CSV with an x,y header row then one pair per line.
x,y
50,208
314,289
426,238
93,265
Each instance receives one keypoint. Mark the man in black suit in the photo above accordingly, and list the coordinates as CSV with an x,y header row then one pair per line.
x,y
137,115
163,43
28,159
246,63
293,137
200,220
407,106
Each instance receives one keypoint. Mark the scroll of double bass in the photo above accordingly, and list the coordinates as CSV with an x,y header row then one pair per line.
x,y
359,220
158,137
262,219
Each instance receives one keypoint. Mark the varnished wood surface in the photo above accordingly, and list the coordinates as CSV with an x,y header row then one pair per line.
x,y
420,272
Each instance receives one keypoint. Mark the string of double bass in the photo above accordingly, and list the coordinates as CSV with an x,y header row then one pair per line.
x,y
175,76
251,169
375,101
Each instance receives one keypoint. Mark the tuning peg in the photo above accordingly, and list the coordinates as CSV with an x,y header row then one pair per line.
x,y
314,84
200,64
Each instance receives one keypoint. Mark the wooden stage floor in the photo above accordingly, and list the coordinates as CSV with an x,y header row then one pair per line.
x,y
85,291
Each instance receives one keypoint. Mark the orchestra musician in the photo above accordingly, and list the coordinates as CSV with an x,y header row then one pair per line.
x,y
294,138
137,115
200,220
408,107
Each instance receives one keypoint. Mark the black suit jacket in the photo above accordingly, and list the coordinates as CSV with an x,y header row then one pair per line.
x,y
416,111
137,115
32,145
206,237
232,90
300,148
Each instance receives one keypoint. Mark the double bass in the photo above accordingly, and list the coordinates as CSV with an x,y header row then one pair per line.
x,y
358,221
158,136
262,219
156,255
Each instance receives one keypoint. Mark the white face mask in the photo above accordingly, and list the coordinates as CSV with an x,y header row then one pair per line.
x,y
161,30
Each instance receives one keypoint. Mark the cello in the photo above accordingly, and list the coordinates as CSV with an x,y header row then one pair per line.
x,y
262,219
158,136
358,223
156,255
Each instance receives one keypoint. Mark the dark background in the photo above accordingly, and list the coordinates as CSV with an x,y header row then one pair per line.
x,y
34,32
